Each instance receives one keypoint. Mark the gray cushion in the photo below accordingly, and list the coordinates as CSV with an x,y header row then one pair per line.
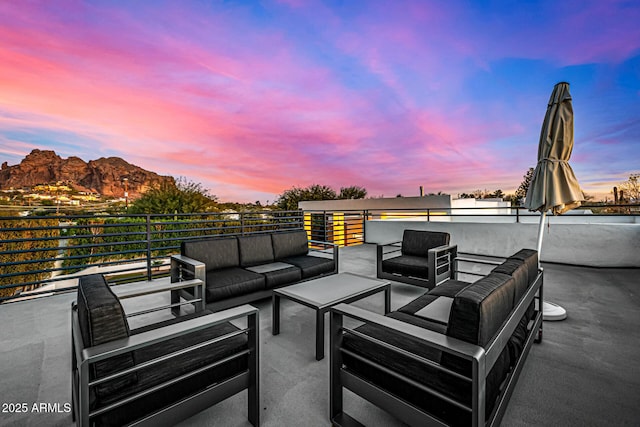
x,y
312,266
215,252
417,243
102,320
255,250
289,244
230,282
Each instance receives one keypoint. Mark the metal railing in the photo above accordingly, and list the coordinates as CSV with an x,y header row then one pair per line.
x,y
42,254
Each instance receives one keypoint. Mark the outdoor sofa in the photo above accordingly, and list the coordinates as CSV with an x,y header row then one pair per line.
x,y
422,258
161,373
450,357
242,269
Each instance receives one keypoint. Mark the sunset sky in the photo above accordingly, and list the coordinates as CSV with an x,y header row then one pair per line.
x,y
251,98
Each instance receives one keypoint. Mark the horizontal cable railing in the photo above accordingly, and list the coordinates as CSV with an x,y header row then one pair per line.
x,y
42,254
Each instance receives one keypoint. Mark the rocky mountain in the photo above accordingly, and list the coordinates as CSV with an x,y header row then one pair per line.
x,y
104,176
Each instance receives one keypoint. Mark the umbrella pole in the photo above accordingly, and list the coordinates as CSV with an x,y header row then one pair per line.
x,y
550,311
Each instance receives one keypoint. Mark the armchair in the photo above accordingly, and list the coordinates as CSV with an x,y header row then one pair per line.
x,y
162,373
422,258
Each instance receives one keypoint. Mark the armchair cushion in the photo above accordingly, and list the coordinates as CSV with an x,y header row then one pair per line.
x,y
215,253
416,242
290,244
163,371
407,265
230,282
102,319
255,250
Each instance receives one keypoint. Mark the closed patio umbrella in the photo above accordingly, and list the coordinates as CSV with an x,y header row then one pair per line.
x,y
554,186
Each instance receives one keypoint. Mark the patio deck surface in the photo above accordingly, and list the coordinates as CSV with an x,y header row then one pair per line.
x,y
584,373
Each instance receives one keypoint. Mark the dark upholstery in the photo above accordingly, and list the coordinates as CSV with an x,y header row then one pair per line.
x,y
530,260
407,265
416,242
167,370
480,310
255,250
282,277
311,266
230,282
102,320
244,268
290,244
215,253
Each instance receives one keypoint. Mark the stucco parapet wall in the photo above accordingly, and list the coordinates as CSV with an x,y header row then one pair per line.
x,y
593,245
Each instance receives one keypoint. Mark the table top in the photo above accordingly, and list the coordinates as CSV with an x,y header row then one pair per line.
x,y
332,289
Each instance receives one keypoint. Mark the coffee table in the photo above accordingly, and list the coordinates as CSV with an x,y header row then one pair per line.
x,y
323,293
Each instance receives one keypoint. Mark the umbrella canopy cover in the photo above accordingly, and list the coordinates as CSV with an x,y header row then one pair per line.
x,y
553,185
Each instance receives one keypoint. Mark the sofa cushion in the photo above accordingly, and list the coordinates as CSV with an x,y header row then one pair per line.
x,y
516,269
282,277
479,310
102,320
311,266
254,250
289,244
170,369
417,243
530,260
231,282
215,252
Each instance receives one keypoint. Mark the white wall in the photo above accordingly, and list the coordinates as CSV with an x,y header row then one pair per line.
x,y
597,245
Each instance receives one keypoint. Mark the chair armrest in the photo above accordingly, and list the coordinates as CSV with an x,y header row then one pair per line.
x,y
430,338
385,249
181,264
442,257
154,336
334,251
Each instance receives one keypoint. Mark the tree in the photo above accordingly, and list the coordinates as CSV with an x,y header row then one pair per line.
x,y
353,192
289,199
167,198
521,192
631,188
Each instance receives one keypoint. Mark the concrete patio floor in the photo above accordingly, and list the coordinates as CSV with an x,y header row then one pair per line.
x,y
584,373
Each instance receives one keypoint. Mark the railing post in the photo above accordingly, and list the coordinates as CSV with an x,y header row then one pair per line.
x,y
242,223
365,217
517,214
428,215
149,247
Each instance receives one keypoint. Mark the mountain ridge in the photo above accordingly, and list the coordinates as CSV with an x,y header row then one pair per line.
x,y
104,175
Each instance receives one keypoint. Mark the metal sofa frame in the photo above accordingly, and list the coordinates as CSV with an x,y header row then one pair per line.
x,y
482,360
82,358
437,258
183,267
